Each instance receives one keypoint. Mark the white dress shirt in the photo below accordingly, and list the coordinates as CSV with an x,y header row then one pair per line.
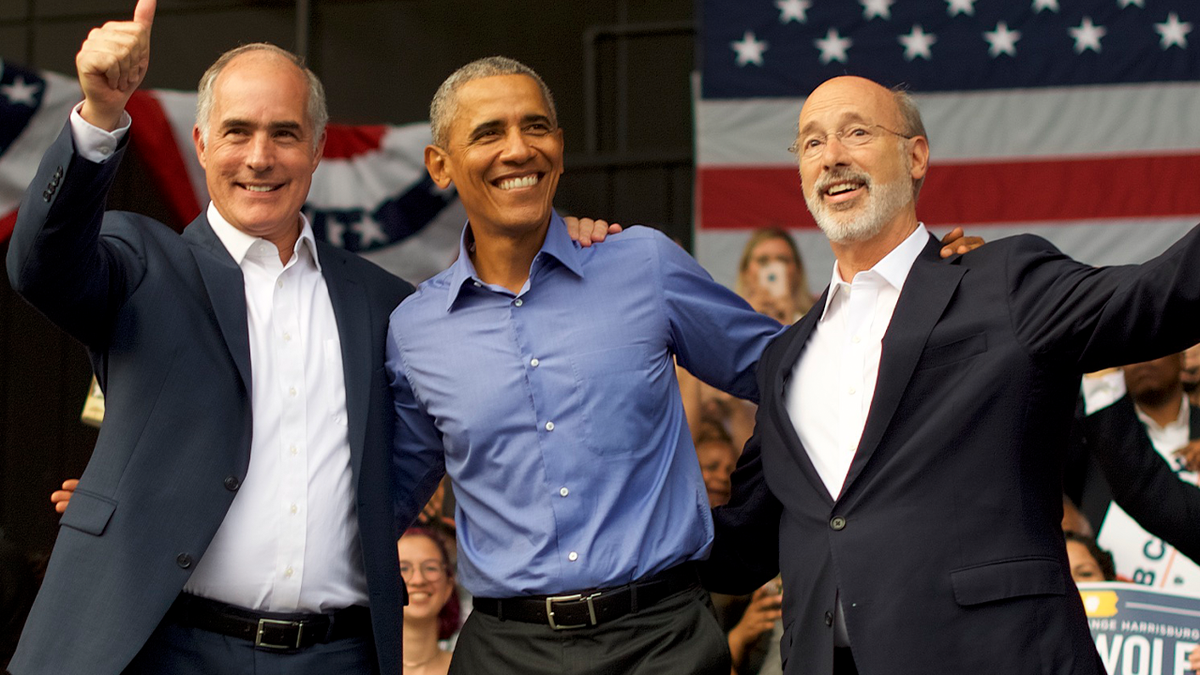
x,y
289,541
833,382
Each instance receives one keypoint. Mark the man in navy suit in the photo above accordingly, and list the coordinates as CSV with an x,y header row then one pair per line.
x,y
905,475
236,515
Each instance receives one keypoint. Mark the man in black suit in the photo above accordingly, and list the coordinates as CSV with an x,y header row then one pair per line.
x,y
905,472
237,510
1129,477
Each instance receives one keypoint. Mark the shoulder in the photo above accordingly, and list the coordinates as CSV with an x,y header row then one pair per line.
x,y
422,304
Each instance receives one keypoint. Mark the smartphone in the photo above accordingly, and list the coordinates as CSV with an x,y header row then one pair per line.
x,y
772,278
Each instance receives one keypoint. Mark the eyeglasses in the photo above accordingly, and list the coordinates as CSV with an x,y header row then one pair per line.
x,y
431,570
853,136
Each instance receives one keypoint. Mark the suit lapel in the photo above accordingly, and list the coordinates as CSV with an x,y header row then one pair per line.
x,y
794,340
927,290
226,291
351,310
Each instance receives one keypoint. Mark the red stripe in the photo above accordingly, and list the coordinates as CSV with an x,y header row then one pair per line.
x,y
154,141
1060,190
344,141
6,226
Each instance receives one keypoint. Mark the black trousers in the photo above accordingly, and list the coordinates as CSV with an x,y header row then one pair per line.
x,y
183,650
677,636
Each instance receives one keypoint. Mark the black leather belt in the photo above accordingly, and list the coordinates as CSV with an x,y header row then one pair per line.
x,y
591,608
270,630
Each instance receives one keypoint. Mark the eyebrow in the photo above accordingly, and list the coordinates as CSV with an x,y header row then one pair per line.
x,y
847,118
287,125
496,125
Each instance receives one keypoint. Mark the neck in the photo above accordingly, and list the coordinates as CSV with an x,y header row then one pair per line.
x,y
1163,406
420,641
859,256
286,244
504,259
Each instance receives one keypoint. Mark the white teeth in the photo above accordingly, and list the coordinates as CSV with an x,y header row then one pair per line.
x,y
839,189
514,183
259,188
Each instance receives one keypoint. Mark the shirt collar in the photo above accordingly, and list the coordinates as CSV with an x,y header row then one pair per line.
x,y
1181,421
558,245
238,243
894,267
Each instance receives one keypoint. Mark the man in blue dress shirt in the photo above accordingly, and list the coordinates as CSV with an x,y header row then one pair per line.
x,y
540,375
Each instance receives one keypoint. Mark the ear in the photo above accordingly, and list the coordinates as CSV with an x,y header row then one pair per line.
x,y
198,139
919,155
320,152
436,161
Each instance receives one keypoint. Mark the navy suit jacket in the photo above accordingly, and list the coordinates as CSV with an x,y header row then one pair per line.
x,y
1119,463
945,542
164,319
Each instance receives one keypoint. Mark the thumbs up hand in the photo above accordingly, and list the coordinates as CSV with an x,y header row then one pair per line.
x,y
112,64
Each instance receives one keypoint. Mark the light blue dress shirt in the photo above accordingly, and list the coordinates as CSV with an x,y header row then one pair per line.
x,y
556,411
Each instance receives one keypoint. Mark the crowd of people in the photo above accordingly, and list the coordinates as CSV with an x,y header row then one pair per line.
x,y
903,467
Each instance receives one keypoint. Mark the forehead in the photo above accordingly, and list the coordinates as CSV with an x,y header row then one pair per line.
x,y
261,82
498,97
418,547
847,99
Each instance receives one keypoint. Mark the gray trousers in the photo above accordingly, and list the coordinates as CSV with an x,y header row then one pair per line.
x,y
677,636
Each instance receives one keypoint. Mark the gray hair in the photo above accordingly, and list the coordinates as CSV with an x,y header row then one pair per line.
x,y
318,113
445,101
911,125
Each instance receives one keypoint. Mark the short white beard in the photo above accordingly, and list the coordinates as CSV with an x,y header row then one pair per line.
x,y
884,201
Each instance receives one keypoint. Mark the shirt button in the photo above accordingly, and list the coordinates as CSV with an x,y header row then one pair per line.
x,y
293,450
851,391
549,426
857,339
564,491
287,337
572,556
288,573
279,284
478,285
291,391
295,509
518,302
828,618
534,362
838,523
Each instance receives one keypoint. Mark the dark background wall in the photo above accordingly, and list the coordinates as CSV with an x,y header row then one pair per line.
x,y
620,71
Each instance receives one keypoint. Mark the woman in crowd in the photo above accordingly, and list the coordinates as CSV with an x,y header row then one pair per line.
x,y
771,276
1088,561
433,611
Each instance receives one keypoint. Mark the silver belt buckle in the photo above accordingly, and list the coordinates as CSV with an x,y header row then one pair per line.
x,y
571,598
262,624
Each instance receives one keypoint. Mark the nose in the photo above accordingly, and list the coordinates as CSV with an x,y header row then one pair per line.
x,y
517,149
260,155
833,152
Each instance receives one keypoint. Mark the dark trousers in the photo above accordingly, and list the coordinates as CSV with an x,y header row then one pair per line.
x,y
677,636
843,662
182,650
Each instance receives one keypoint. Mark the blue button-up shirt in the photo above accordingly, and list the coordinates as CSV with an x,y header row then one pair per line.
x,y
556,411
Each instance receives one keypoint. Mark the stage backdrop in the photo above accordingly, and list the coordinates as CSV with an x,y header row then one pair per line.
x,y
1073,119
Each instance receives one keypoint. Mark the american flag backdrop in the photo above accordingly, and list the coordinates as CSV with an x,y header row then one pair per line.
x,y
1075,119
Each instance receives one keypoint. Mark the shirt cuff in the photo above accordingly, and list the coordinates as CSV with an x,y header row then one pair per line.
x,y
93,143
1102,389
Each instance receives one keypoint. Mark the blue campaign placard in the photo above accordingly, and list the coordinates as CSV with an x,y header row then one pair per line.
x,y
1139,631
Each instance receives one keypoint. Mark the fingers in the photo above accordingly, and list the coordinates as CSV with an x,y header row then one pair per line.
x,y
956,233
962,245
70,484
118,53
144,13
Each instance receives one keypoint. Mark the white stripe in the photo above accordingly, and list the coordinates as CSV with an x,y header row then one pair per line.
x,y
981,126
20,161
369,179
1106,242
180,110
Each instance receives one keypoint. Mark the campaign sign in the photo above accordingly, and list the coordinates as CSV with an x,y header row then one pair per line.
x,y
1139,631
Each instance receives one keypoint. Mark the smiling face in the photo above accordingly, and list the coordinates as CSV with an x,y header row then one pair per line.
x,y
854,193
425,595
717,462
260,153
503,155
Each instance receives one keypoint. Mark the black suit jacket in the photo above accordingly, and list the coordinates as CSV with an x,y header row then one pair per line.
x,y
1120,464
164,319
945,544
